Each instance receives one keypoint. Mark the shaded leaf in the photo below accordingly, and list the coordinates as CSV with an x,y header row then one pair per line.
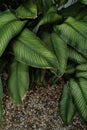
x,y
50,17
79,94
44,5
84,1
70,69
76,10
60,50
61,2
75,56
27,9
3,63
74,33
66,106
18,81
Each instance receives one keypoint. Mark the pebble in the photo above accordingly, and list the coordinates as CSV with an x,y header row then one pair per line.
x,y
39,111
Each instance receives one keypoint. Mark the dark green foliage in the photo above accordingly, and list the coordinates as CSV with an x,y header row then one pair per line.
x,y
66,105
40,41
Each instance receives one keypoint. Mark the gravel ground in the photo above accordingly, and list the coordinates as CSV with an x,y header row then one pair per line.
x,y
39,111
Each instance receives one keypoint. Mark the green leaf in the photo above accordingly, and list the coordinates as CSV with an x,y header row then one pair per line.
x,y
84,1
50,17
9,28
79,94
66,106
1,107
75,56
60,50
83,85
29,49
82,67
6,17
18,81
61,2
76,10
46,37
70,69
27,9
82,16
74,33
43,5
82,74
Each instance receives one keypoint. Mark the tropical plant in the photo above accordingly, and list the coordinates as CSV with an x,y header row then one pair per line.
x,y
38,36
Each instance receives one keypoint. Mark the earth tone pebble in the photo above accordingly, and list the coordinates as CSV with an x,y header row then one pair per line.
x,y
39,111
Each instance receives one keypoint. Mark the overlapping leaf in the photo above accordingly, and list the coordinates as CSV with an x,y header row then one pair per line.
x,y
74,33
6,17
46,37
27,9
44,5
50,17
79,93
75,56
66,106
9,28
82,67
29,49
60,50
76,10
18,82
82,74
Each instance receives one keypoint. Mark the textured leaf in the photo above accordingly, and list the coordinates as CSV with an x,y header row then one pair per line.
x,y
29,49
27,9
66,106
83,85
9,28
79,93
18,81
1,96
6,17
74,32
60,50
82,67
50,17
75,56
43,5
81,74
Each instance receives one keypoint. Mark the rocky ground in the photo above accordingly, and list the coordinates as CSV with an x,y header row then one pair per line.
x,y
39,111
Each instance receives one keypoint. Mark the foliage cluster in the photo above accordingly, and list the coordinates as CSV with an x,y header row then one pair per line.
x,y
40,36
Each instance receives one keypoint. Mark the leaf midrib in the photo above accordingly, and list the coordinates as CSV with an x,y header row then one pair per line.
x,y
21,42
